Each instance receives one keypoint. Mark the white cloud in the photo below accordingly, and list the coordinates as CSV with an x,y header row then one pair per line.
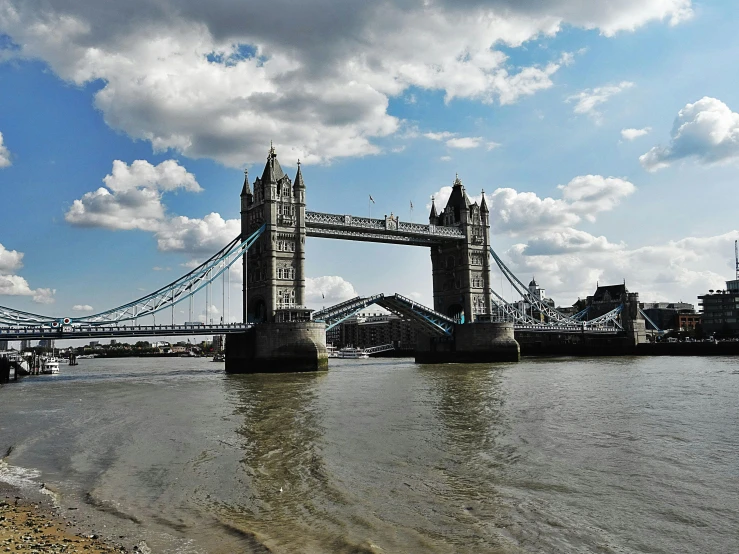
x,y
443,135
133,197
220,79
15,285
4,154
327,291
631,133
676,270
706,130
587,100
166,176
454,141
10,260
44,296
81,308
133,200
464,142
445,158
521,213
194,235
590,194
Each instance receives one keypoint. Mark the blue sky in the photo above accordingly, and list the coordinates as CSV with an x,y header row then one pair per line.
x,y
606,137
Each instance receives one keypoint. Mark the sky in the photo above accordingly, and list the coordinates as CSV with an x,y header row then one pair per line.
x,y
605,135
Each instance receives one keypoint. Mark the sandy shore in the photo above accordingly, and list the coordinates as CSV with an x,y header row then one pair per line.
x,y
29,526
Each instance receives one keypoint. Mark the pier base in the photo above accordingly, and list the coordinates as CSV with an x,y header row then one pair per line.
x,y
278,348
472,343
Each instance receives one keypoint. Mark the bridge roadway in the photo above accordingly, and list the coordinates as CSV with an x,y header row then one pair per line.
x,y
102,331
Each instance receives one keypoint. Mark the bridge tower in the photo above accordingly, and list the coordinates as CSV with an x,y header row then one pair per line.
x,y
461,270
274,278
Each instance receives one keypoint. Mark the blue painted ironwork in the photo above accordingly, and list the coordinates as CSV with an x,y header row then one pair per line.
x,y
652,323
432,321
161,299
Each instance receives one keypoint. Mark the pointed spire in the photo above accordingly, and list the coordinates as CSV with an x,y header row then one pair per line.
x,y
484,204
299,183
246,189
433,215
272,170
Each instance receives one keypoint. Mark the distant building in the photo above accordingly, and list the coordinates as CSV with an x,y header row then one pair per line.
x,y
720,310
3,345
25,344
367,330
219,342
666,315
46,343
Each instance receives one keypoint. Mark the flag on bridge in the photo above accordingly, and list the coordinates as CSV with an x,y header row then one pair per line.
x,y
411,204
372,199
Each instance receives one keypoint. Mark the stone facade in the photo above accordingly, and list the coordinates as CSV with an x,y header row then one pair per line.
x,y
461,270
274,279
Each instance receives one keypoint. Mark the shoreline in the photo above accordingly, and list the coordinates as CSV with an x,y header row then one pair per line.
x,y
32,522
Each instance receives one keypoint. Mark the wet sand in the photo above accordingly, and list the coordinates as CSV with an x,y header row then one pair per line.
x,y
34,525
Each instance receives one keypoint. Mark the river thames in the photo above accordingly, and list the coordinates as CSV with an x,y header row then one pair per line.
x,y
612,455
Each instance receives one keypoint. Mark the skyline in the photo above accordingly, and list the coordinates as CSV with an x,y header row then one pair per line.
x,y
605,137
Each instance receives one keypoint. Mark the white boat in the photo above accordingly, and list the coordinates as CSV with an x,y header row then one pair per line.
x,y
352,353
331,349
50,365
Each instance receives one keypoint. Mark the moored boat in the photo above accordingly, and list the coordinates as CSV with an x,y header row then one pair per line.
x,y
49,365
351,352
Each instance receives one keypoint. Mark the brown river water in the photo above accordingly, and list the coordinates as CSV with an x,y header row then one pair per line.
x,y
612,455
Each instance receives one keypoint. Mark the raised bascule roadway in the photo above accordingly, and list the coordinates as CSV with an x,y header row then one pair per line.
x,y
468,321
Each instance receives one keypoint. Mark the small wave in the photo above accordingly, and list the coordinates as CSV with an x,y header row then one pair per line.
x,y
20,477
108,508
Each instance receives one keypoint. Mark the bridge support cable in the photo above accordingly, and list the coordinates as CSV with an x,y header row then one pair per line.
x,y
18,318
581,314
606,319
514,315
176,291
521,289
652,323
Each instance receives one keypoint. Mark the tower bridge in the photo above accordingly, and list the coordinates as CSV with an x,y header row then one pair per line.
x,y
469,321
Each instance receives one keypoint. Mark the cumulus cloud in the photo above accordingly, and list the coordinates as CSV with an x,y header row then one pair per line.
x,y
587,100
707,131
591,194
132,199
196,236
15,285
515,213
168,175
327,291
81,308
673,271
10,260
220,79
631,133
4,154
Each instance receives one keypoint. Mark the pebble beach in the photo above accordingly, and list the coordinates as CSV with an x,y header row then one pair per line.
x,y
35,526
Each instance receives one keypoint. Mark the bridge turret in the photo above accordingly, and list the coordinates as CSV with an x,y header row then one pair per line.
x,y
484,211
246,195
299,186
433,216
